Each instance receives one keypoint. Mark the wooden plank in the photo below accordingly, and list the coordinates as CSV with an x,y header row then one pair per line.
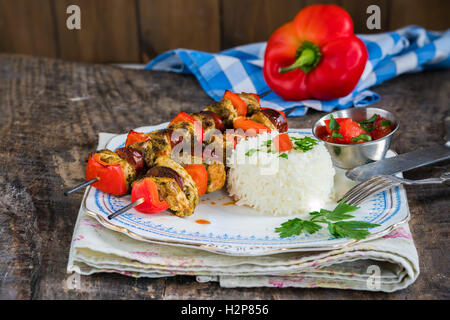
x,y
109,31
171,24
27,27
430,14
247,21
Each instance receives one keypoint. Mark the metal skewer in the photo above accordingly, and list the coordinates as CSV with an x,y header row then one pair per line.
x,y
262,95
81,186
126,208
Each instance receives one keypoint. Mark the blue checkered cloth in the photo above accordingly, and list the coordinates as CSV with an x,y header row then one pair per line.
x,y
239,69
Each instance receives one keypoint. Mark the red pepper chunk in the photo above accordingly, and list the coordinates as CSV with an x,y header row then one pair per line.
x,y
316,55
250,127
111,178
135,137
184,117
146,188
282,142
238,103
199,175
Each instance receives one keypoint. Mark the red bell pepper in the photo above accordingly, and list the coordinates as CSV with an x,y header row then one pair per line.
x,y
316,55
238,103
251,128
146,188
199,175
282,142
111,178
134,137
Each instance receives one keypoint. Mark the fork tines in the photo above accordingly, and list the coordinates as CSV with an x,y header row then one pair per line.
x,y
364,190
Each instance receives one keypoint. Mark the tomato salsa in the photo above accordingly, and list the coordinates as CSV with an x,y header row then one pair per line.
x,y
349,131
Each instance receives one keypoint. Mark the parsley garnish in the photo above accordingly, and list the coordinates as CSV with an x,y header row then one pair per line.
x,y
333,219
334,127
366,128
267,143
283,155
385,123
361,137
250,152
335,134
304,144
333,124
370,120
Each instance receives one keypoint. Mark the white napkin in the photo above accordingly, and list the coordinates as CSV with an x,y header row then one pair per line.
x,y
386,264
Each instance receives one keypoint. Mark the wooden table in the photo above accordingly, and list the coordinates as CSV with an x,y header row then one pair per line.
x,y
51,112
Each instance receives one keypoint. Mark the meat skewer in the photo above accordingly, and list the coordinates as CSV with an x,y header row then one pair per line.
x,y
151,151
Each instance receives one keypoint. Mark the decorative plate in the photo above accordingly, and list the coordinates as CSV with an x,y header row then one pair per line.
x,y
238,230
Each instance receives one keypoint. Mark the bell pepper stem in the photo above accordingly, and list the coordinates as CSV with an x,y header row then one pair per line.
x,y
306,58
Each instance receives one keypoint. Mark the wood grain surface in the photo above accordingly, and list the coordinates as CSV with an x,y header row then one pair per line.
x,y
138,30
50,115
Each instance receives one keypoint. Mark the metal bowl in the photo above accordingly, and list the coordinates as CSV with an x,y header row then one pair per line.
x,y
349,156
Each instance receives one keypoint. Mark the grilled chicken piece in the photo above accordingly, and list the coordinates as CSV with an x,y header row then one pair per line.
x,y
220,147
207,121
169,190
113,158
183,129
225,110
161,144
214,168
184,208
216,176
252,102
146,149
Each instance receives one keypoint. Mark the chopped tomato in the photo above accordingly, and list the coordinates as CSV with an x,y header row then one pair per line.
x,y
282,142
250,127
238,103
199,175
111,178
135,137
338,120
350,129
382,128
146,188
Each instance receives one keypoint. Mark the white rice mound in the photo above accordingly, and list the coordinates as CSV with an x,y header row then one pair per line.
x,y
300,184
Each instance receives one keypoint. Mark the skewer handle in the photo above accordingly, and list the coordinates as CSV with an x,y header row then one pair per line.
x,y
81,186
126,208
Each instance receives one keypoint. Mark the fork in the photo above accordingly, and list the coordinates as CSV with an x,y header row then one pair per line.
x,y
374,185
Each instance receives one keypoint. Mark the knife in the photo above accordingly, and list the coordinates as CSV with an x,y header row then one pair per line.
x,y
405,161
